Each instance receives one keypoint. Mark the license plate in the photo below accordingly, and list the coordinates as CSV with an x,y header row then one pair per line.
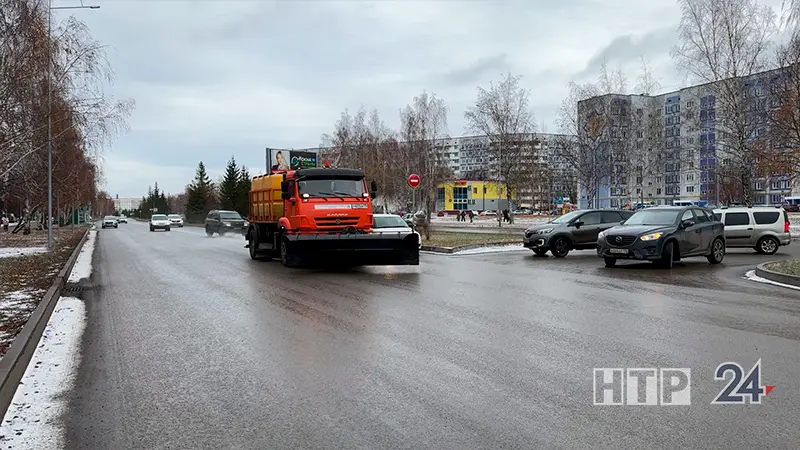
x,y
623,251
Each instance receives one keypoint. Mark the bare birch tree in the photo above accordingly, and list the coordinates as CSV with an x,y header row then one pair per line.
x,y
724,43
586,113
784,110
423,124
647,143
502,113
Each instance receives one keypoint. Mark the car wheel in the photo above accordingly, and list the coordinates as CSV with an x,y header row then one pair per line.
x,y
152,229
208,231
540,251
610,262
667,255
717,251
767,245
167,228
560,248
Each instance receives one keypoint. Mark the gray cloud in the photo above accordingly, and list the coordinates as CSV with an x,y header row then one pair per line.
x,y
215,78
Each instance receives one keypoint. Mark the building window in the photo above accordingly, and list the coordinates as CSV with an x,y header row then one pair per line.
x,y
658,191
474,190
460,193
690,177
440,195
689,189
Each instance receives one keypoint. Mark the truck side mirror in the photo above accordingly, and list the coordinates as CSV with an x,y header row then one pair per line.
x,y
373,189
285,195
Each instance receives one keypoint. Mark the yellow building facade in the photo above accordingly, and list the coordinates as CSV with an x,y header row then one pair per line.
x,y
476,195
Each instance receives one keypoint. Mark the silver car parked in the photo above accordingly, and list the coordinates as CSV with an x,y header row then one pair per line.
x,y
762,228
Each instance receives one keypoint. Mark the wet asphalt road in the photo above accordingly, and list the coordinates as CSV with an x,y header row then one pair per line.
x,y
190,344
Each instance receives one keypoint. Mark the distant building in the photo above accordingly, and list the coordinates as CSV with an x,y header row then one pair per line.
x,y
479,195
552,176
126,203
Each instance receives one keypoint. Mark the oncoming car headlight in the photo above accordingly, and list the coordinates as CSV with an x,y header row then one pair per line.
x,y
651,237
545,231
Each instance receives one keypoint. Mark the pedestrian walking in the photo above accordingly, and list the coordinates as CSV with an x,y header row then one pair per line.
x,y
471,215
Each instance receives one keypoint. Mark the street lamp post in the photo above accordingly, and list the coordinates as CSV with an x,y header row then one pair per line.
x,y
50,113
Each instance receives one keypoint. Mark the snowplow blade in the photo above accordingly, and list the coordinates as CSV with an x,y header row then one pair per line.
x,y
362,249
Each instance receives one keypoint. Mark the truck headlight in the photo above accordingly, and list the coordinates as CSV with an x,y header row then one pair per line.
x,y
227,224
651,237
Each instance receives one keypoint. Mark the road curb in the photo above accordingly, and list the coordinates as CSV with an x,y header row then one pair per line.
x,y
771,275
449,250
15,361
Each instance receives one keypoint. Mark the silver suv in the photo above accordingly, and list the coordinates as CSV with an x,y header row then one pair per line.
x,y
761,228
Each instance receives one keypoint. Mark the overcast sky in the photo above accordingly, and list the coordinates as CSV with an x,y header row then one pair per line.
x,y
214,78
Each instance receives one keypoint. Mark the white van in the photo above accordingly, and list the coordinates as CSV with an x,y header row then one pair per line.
x,y
762,228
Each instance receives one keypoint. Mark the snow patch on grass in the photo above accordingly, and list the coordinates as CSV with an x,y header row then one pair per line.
x,y
83,265
33,419
491,249
11,252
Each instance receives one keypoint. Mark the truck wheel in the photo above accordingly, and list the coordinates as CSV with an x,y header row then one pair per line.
x,y
285,255
252,240
209,232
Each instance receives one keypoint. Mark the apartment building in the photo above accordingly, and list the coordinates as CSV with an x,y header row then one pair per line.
x,y
666,148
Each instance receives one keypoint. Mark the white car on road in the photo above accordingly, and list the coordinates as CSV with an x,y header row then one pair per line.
x,y
391,223
110,222
176,220
159,222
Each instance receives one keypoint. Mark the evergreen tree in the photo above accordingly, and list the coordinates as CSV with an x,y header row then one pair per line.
x,y
229,187
243,191
199,195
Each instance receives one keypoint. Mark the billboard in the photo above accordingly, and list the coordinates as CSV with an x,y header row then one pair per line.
x,y
284,159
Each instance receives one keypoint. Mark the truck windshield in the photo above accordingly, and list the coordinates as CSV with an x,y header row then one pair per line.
x,y
331,188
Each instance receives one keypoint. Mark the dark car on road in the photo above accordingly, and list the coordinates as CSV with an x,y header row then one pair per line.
x,y
577,230
221,222
664,234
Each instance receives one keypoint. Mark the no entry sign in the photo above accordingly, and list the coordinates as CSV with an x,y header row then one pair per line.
x,y
413,181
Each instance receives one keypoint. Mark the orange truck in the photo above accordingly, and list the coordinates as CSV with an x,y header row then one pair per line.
x,y
321,215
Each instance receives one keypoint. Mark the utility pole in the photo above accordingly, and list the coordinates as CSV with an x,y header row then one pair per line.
x,y
50,61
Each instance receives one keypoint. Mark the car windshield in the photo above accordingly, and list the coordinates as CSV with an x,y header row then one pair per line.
x,y
331,188
567,217
159,217
389,222
229,215
174,216
654,217
110,218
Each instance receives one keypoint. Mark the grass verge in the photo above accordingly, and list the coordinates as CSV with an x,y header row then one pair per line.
x,y
791,267
25,279
447,239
